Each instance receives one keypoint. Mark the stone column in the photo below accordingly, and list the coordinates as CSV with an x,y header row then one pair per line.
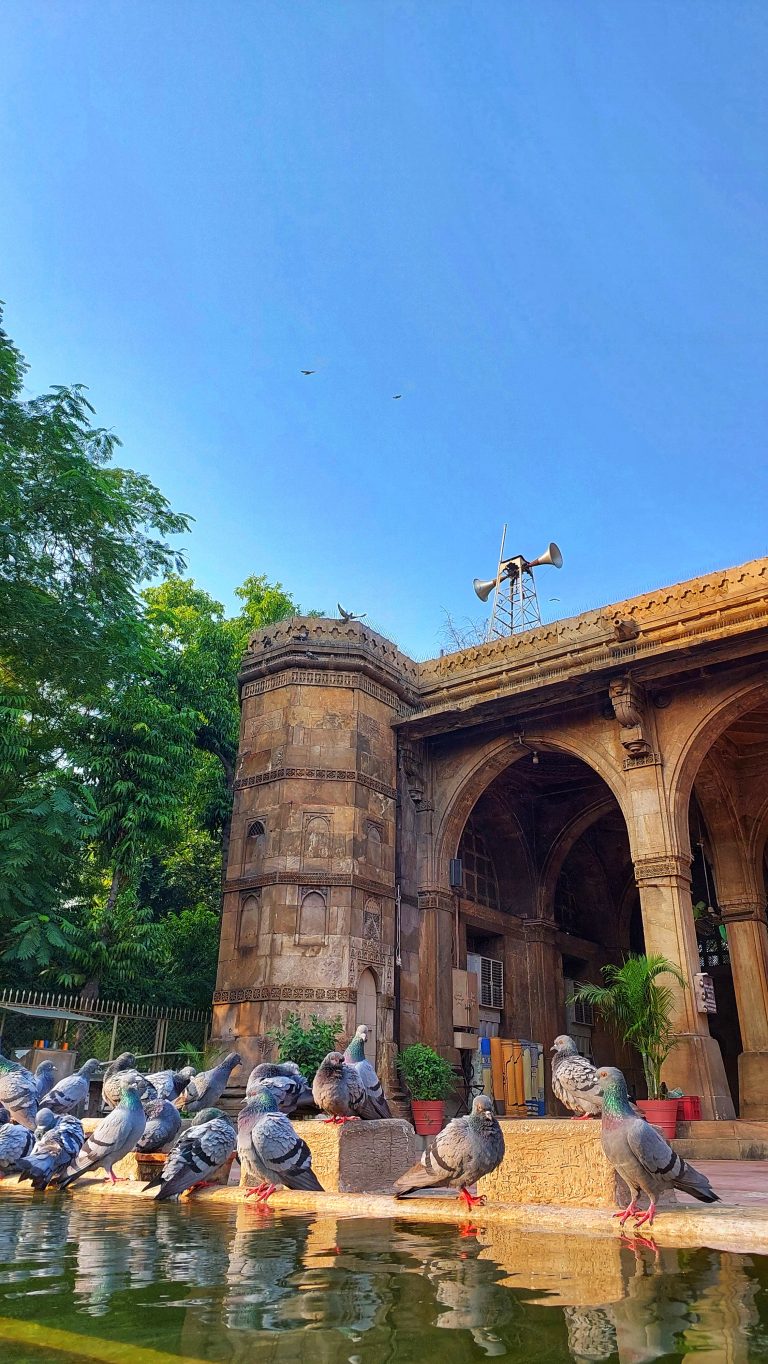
x,y
748,950
436,921
695,1063
546,991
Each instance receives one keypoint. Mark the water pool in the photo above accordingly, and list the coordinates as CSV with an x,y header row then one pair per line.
x,y
133,1283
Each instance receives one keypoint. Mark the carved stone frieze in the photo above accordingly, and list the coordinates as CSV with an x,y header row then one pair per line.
x,y
375,954
316,774
293,994
312,878
740,910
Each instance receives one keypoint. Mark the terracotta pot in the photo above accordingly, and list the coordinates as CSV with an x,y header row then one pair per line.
x,y
428,1115
662,1113
689,1108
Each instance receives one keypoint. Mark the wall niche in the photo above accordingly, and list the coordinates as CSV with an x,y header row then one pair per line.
x,y
250,919
312,919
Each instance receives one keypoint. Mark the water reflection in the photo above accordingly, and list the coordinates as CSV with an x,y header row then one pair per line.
x,y
232,1286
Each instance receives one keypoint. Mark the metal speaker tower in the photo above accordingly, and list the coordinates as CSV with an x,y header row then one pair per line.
x,y
515,600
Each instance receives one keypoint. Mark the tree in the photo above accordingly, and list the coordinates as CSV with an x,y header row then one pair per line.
x,y
639,1009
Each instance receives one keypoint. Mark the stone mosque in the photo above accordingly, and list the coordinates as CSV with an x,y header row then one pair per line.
x,y
531,808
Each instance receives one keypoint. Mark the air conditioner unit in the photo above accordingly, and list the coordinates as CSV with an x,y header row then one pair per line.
x,y
490,974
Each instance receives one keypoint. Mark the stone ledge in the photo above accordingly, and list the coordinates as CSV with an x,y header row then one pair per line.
x,y
359,1157
553,1161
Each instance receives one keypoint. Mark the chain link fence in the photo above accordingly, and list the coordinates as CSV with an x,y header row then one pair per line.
x,y
102,1028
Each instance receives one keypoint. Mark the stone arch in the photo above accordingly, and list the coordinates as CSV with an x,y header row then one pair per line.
x,y
312,919
698,744
254,845
489,763
373,836
568,837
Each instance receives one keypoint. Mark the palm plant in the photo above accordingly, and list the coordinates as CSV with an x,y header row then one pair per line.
x,y
638,1009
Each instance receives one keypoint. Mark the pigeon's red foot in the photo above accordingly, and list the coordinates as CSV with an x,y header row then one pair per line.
x,y
337,1119
472,1200
645,1219
257,1190
579,1117
468,1229
640,1243
115,1179
201,1184
630,1211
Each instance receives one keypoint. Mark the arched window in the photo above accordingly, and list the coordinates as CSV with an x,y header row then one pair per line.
x,y
255,842
480,881
317,838
312,917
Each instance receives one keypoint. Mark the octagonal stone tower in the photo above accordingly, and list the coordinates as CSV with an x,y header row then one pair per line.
x,y
309,905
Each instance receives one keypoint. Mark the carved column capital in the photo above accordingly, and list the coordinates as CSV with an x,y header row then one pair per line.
x,y
742,910
662,870
436,897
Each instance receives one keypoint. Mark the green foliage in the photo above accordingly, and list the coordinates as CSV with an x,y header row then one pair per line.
x,y
426,1073
638,1009
306,1046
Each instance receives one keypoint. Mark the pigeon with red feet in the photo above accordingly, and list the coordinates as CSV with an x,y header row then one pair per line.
x,y
198,1156
111,1139
355,1056
462,1153
270,1150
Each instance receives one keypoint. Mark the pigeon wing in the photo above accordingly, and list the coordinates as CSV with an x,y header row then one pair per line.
x,y
373,1088
282,1153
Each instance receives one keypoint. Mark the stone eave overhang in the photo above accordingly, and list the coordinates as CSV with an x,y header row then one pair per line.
x,y
304,644
677,630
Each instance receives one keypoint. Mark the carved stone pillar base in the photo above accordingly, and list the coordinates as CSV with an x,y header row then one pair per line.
x,y
695,1065
753,1085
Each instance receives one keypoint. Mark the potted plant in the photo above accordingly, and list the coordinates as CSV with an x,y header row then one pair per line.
x,y
430,1079
640,1011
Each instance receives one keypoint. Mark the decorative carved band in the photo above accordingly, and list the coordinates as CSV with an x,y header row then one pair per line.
x,y
299,677
311,878
293,994
738,911
316,774
642,760
650,869
436,899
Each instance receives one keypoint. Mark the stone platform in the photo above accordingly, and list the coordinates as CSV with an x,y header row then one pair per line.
x,y
553,1161
729,1139
359,1157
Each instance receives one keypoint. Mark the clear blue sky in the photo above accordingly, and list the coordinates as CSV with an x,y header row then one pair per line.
x,y
543,223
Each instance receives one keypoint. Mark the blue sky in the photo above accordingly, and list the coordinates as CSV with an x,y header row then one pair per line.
x,y
543,223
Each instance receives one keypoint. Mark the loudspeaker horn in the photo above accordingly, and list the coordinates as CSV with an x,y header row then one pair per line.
x,y
551,556
483,589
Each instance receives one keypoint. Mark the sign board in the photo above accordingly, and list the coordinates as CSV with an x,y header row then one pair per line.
x,y
704,993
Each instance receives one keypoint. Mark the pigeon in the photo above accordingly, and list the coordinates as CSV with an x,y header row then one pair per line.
x,y
45,1120
112,1138
309,371
355,1056
396,396
169,1084
574,1080
465,1150
18,1092
16,1142
68,1095
114,1086
205,1088
197,1156
349,615
45,1076
269,1147
286,1082
640,1155
53,1152
339,1091
163,1123
4,1115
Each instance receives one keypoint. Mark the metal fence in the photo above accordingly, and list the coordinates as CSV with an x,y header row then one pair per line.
x,y
102,1028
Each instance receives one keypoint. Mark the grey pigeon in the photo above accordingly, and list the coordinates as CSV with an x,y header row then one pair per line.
x,y
574,1079
198,1155
208,1086
287,1082
16,1142
269,1148
45,1076
355,1056
44,1121
112,1138
71,1092
4,1115
339,1091
18,1092
462,1153
53,1152
169,1084
640,1155
114,1086
163,1123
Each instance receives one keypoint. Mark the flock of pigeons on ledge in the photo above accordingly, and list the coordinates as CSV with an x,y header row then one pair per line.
x,y
42,1140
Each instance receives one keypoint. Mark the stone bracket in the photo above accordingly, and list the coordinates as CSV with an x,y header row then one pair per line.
x,y
629,706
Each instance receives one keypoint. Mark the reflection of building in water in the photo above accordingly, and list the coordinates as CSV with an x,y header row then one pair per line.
x,y
591,1333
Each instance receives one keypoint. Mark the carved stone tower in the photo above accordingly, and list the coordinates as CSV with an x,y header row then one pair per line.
x,y
309,907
